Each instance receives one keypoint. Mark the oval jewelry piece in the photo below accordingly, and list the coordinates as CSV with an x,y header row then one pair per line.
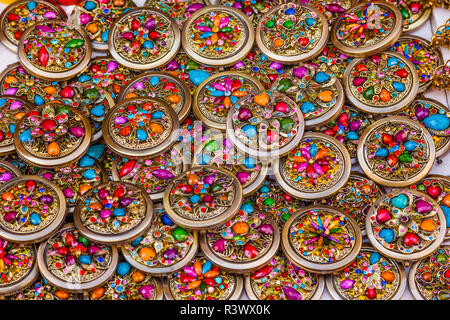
x,y
12,109
215,96
282,280
367,28
244,243
355,198
52,135
54,50
220,152
180,11
428,278
317,167
129,283
371,276
141,127
144,38
32,209
42,290
253,9
265,124
405,225
414,13
95,18
113,212
217,36
319,94
202,280
292,33
163,248
22,14
8,172
382,83
321,239
331,60
161,85
203,198
71,262
396,151
18,266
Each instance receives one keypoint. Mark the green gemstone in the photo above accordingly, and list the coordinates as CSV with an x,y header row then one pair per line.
x,y
369,93
179,234
83,240
288,24
216,187
259,6
405,157
286,124
63,109
90,93
405,13
212,146
269,202
444,295
441,258
209,23
270,24
191,65
284,84
74,43
285,216
226,29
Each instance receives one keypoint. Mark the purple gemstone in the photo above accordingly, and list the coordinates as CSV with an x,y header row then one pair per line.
x,y
150,24
70,260
10,91
50,15
291,294
10,216
147,291
139,85
112,66
93,250
68,192
421,113
275,65
239,65
354,125
172,65
347,284
124,202
44,28
120,120
423,206
244,114
266,228
220,245
170,253
15,105
5,176
105,214
47,175
210,179
102,193
45,198
400,136
335,8
300,72
243,177
163,174
194,7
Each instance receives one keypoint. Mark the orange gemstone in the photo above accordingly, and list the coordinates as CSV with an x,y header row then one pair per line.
x,y
446,200
156,127
63,295
7,196
174,98
325,96
137,276
53,149
240,228
388,276
428,225
262,99
278,43
146,253
385,95
98,293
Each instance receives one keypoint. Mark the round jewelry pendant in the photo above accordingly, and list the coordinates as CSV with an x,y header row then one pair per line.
x,y
129,283
144,38
42,290
215,96
113,212
71,262
220,152
22,14
32,209
371,276
396,151
8,172
95,18
405,225
16,81
54,50
265,124
382,83
53,135
18,266
367,28
292,33
414,13
254,10
203,198
217,36
319,94
331,60
161,85
428,278
164,248
282,280
12,110
202,280
321,239
316,168
180,11
244,243
141,127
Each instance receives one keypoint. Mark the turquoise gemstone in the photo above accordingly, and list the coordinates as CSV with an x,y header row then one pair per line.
x,y
437,122
98,111
123,268
446,214
410,145
90,174
194,198
249,163
206,266
2,102
12,128
247,207
38,100
264,189
400,201
250,131
86,161
398,86
154,81
141,134
308,107
25,136
198,76
352,135
310,22
31,5
35,219
382,152
84,78
206,35
119,212
90,5
374,257
84,259
321,77
96,151
392,61
148,44
136,242
158,115
104,36
205,159
313,150
387,234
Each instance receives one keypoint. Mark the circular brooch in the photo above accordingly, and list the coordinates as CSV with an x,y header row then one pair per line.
x,y
179,10
332,61
202,280
129,284
282,280
220,152
321,239
317,167
371,276
367,28
291,33
95,18
396,151
12,110
414,13
265,124
217,35
163,248
319,94
161,85
18,266
141,127
8,172
71,262
355,198
54,50
429,277
405,225
22,14
32,209
215,96
53,135
382,83
144,38
203,198
42,290
113,212
244,243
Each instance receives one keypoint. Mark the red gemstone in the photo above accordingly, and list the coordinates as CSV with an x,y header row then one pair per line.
x,y
392,160
43,56
250,251
67,92
126,169
18,34
119,192
2,135
30,184
135,24
415,7
70,239
447,274
410,239
329,132
62,250
48,125
13,17
125,131
303,41
386,138
135,45
343,119
434,191
402,73
383,215
361,67
187,188
371,293
262,272
95,68
154,35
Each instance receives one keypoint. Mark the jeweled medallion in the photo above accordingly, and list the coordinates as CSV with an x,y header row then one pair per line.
x,y
414,13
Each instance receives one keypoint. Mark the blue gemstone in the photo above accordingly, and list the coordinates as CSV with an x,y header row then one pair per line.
x,y
198,76
264,189
31,5
352,135
205,159
437,122
84,78
2,102
136,242
249,163
446,214
84,259
374,257
290,11
148,44
90,5
206,35
321,77
313,150
382,153
400,201
123,268
105,35
250,131
96,151
158,115
141,134
398,86
410,145
166,220
154,81
86,161
38,100
387,234
90,174
310,21
119,212
98,111
308,107
25,136
35,219
12,128
206,266
392,61
247,207
194,198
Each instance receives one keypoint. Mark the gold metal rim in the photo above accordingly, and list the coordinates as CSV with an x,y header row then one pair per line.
x,y
419,22
225,61
11,167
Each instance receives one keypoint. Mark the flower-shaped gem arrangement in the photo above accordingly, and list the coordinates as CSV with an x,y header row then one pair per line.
x,y
42,290
16,262
12,109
